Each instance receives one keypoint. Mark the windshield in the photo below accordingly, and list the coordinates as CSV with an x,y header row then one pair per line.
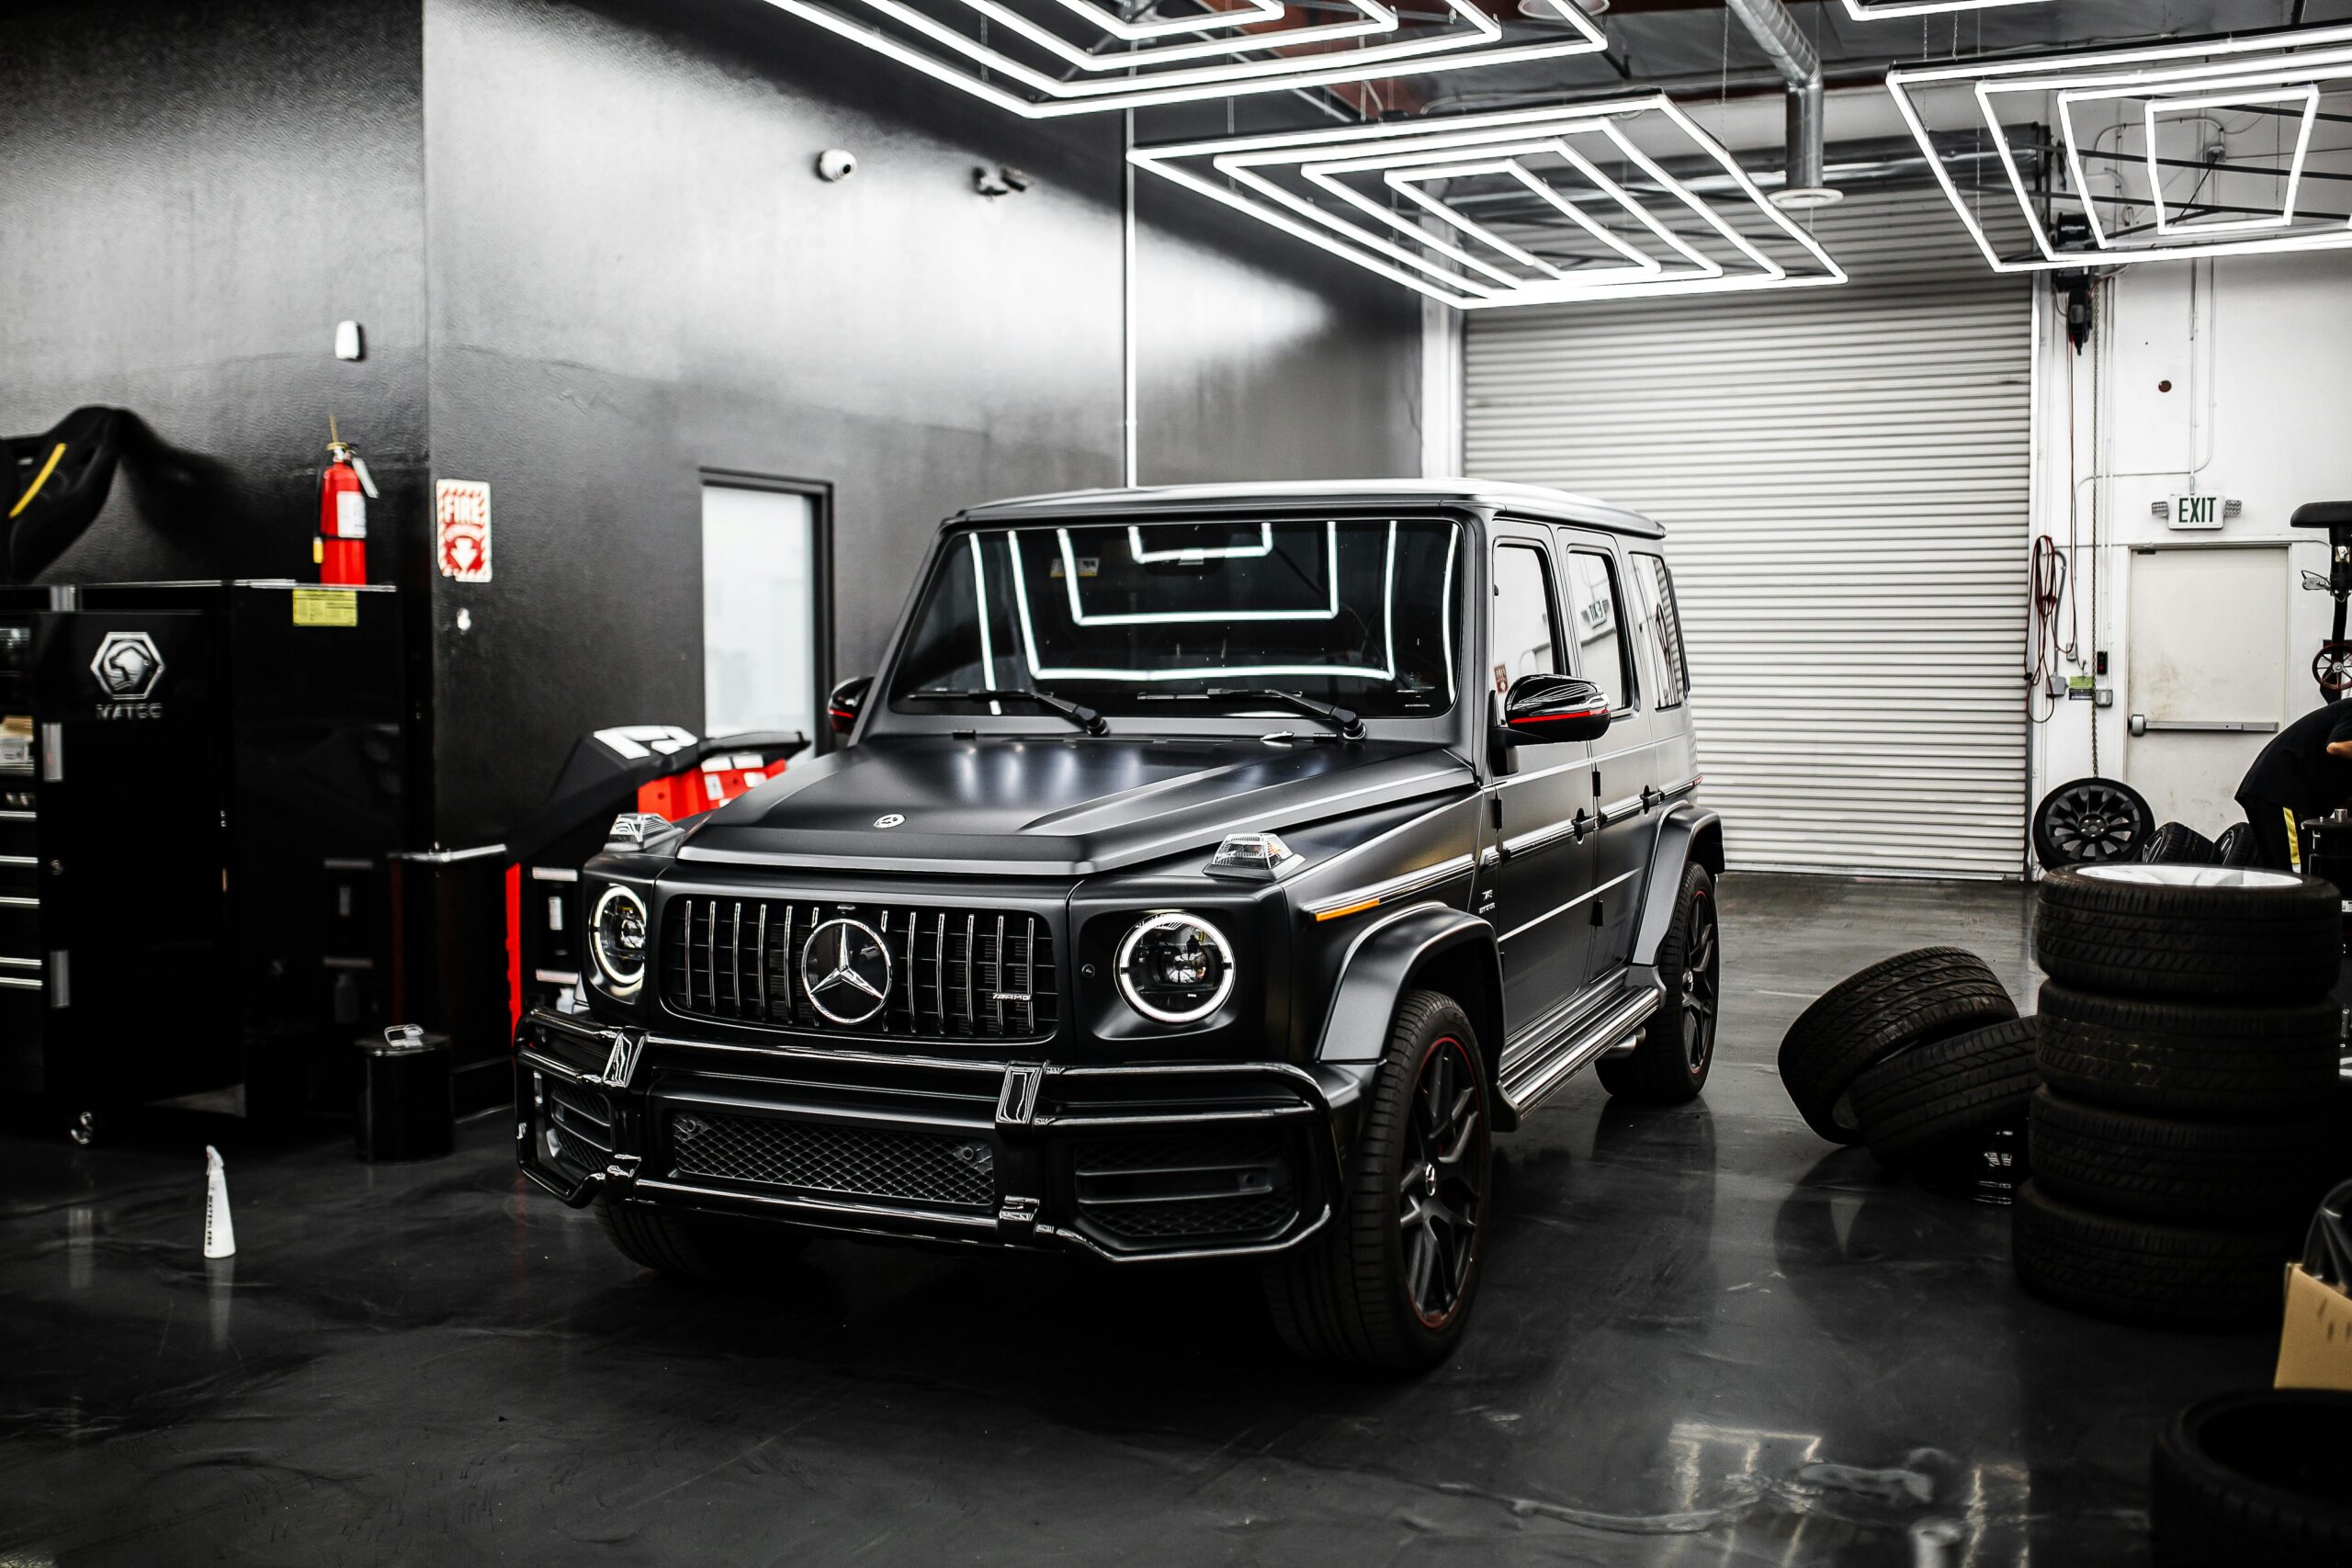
x,y
1178,619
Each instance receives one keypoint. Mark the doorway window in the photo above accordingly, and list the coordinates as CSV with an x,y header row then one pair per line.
x,y
763,608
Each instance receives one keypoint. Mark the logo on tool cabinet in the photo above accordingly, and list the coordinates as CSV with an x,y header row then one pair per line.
x,y
846,970
128,667
888,819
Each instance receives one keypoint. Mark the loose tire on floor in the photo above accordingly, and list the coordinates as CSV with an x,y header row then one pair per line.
x,y
2129,1270
708,1248
2237,846
2255,1478
1349,1293
2176,843
2235,1063
2199,932
2266,1175
1671,1065
1896,1004
1937,1096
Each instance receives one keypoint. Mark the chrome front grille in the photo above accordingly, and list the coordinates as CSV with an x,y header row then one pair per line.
x,y
838,1161
974,974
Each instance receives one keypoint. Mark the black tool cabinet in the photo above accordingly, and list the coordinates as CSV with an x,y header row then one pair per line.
x,y
201,786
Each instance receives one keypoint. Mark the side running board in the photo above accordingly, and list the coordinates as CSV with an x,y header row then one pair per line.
x,y
1527,1084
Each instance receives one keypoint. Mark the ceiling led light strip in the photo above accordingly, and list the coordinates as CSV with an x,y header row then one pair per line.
x,y
2282,73
1874,10
1366,193
1047,58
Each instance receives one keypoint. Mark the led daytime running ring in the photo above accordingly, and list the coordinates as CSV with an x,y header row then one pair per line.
x,y
1169,920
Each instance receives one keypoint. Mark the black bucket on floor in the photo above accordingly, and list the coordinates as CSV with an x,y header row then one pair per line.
x,y
405,1112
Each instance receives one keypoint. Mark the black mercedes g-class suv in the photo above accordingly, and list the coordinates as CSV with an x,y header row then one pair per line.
x,y
1210,873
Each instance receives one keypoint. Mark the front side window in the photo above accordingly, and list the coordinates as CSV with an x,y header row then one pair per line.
x,y
1185,619
1523,641
1596,617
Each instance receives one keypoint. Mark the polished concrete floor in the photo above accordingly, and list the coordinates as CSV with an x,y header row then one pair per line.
x,y
1706,1339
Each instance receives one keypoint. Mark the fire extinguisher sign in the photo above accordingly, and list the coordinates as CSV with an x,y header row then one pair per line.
x,y
461,528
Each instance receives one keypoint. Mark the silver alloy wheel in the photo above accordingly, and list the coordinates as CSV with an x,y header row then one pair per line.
x,y
2142,874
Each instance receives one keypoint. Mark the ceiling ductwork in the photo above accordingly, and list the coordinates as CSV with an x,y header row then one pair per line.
x,y
1776,33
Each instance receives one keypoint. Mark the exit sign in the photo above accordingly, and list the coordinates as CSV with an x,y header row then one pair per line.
x,y
2196,511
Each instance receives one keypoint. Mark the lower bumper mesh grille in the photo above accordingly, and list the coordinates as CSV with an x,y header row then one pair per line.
x,y
1174,1189
851,1162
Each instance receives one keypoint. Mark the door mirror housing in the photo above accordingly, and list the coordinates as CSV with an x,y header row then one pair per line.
x,y
1540,710
847,701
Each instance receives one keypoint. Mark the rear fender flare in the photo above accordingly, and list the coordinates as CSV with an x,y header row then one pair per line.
x,y
1687,834
1429,945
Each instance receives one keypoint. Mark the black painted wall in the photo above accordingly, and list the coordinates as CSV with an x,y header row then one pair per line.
x,y
593,261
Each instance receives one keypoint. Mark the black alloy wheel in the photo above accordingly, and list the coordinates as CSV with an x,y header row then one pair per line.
x,y
2090,821
1669,1066
1702,987
1441,1191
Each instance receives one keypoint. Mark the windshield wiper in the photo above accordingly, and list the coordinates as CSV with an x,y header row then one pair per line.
x,y
1086,718
1343,720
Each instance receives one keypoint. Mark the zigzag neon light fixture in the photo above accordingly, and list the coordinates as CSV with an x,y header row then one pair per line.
x,y
1092,60
1872,10
1364,193
2283,74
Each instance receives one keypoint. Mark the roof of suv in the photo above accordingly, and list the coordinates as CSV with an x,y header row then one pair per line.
x,y
1533,501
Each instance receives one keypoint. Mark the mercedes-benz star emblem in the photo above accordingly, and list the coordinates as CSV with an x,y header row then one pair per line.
x,y
846,970
888,819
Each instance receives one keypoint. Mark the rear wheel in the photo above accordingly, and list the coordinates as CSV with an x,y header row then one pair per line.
x,y
708,1248
1390,1281
1669,1067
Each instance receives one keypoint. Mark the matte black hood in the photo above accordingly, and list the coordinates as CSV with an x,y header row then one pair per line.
x,y
1045,807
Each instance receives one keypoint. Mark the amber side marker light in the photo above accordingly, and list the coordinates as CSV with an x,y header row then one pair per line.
x,y
1323,915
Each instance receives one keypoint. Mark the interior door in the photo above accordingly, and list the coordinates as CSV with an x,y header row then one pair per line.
x,y
2207,680
1540,816
1624,763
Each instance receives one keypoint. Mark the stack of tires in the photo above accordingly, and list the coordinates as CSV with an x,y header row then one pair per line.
x,y
1922,1056
2188,1056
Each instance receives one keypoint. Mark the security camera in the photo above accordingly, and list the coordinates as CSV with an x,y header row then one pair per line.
x,y
836,164
1000,179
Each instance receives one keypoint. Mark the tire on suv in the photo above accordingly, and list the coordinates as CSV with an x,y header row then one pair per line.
x,y
1671,1065
1390,1283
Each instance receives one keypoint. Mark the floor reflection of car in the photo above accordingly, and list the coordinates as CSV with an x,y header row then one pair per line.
x,y
1211,873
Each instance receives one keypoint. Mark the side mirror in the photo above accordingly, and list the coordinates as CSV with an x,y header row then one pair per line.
x,y
1540,710
847,701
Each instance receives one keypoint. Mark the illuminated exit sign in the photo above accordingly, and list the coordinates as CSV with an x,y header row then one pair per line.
x,y
2197,511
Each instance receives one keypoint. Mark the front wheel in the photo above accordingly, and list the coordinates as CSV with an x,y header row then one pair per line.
x,y
1388,1285
1671,1065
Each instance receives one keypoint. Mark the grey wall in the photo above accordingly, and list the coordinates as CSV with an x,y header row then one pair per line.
x,y
594,262
191,196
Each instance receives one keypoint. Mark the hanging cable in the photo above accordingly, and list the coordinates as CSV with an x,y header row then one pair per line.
x,y
2043,649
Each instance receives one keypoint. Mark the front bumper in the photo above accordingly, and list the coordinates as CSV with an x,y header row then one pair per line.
x,y
1129,1163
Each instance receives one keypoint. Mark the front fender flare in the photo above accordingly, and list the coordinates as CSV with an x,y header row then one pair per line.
x,y
1687,834
1426,944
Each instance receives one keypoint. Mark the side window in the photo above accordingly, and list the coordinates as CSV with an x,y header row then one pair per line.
x,y
1661,626
1524,639
1597,622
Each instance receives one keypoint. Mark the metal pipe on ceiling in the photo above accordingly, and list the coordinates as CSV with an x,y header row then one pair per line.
x,y
1784,43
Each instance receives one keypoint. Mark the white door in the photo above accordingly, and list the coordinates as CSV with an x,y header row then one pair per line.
x,y
2208,682
1842,474
758,610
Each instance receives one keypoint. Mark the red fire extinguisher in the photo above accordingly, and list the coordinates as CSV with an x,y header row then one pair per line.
x,y
340,551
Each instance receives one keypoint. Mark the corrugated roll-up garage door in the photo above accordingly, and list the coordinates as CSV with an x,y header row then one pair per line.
x,y
1842,473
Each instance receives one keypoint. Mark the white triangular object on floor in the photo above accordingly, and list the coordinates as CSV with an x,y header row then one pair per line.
x,y
219,1231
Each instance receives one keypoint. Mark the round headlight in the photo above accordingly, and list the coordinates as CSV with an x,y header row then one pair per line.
x,y
617,935
1175,968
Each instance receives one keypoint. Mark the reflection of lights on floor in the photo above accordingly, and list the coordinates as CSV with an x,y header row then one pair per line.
x,y
1299,182
2280,76
1136,64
